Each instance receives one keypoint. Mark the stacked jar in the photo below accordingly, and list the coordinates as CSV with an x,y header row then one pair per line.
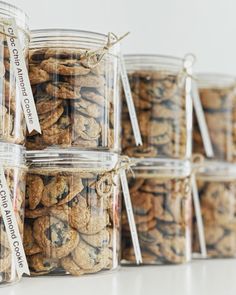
x,y
73,211
161,189
12,140
216,176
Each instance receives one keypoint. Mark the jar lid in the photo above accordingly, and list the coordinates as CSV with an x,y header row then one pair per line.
x,y
214,80
57,37
216,169
163,167
12,154
8,10
153,62
68,158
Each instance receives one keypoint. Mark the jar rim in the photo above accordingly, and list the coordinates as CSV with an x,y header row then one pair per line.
x,y
12,154
40,37
162,164
153,62
60,157
10,10
216,80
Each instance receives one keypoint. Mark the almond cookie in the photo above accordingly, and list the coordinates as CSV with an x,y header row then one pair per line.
x,y
66,67
63,90
41,265
87,108
87,128
45,103
98,220
89,258
34,190
99,240
56,238
48,119
37,75
93,96
5,258
60,190
30,244
89,81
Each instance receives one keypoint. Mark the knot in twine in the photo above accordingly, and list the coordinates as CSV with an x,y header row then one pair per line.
x,y
6,22
93,57
197,160
104,186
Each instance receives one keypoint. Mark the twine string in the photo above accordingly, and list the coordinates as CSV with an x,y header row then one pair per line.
x,y
91,58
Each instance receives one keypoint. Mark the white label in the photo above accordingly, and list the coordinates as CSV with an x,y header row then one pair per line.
x,y
22,78
130,214
130,102
198,214
11,226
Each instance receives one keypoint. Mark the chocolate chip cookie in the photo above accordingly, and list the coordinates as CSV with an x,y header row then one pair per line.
x,y
162,210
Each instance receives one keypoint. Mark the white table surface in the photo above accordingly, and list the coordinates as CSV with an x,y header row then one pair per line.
x,y
211,277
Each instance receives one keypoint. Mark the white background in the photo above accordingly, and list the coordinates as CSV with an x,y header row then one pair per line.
x,y
174,27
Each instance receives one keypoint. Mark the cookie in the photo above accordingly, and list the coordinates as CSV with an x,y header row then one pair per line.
x,y
5,258
63,90
87,128
30,245
38,75
60,190
46,103
56,238
34,190
100,240
67,67
41,265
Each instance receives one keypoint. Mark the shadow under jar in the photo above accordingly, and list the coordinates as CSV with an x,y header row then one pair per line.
x,y
161,199
217,192
218,97
72,221
12,123
11,158
78,105
158,86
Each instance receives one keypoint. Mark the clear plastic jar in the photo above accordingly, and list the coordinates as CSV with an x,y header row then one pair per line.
x,y
12,159
217,192
158,85
161,199
78,106
217,94
12,123
72,223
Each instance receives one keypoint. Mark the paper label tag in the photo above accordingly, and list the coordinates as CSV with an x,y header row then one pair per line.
x,y
201,121
198,214
11,226
130,102
21,74
130,214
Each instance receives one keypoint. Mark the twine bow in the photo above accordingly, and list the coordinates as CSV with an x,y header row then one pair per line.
x,y
186,71
104,186
92,58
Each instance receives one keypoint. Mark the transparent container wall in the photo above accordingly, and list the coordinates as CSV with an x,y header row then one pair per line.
x,y
71,227
158,89
77,106
217,93
15,178
12,123
218,207
162,211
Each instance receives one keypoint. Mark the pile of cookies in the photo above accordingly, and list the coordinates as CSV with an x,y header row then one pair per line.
x,y
217,192
160,194
77,105
71,225
72,198
160,206
159,98
218,204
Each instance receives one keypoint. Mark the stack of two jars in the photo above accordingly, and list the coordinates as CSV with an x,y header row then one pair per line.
x,y
216,176
161,189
